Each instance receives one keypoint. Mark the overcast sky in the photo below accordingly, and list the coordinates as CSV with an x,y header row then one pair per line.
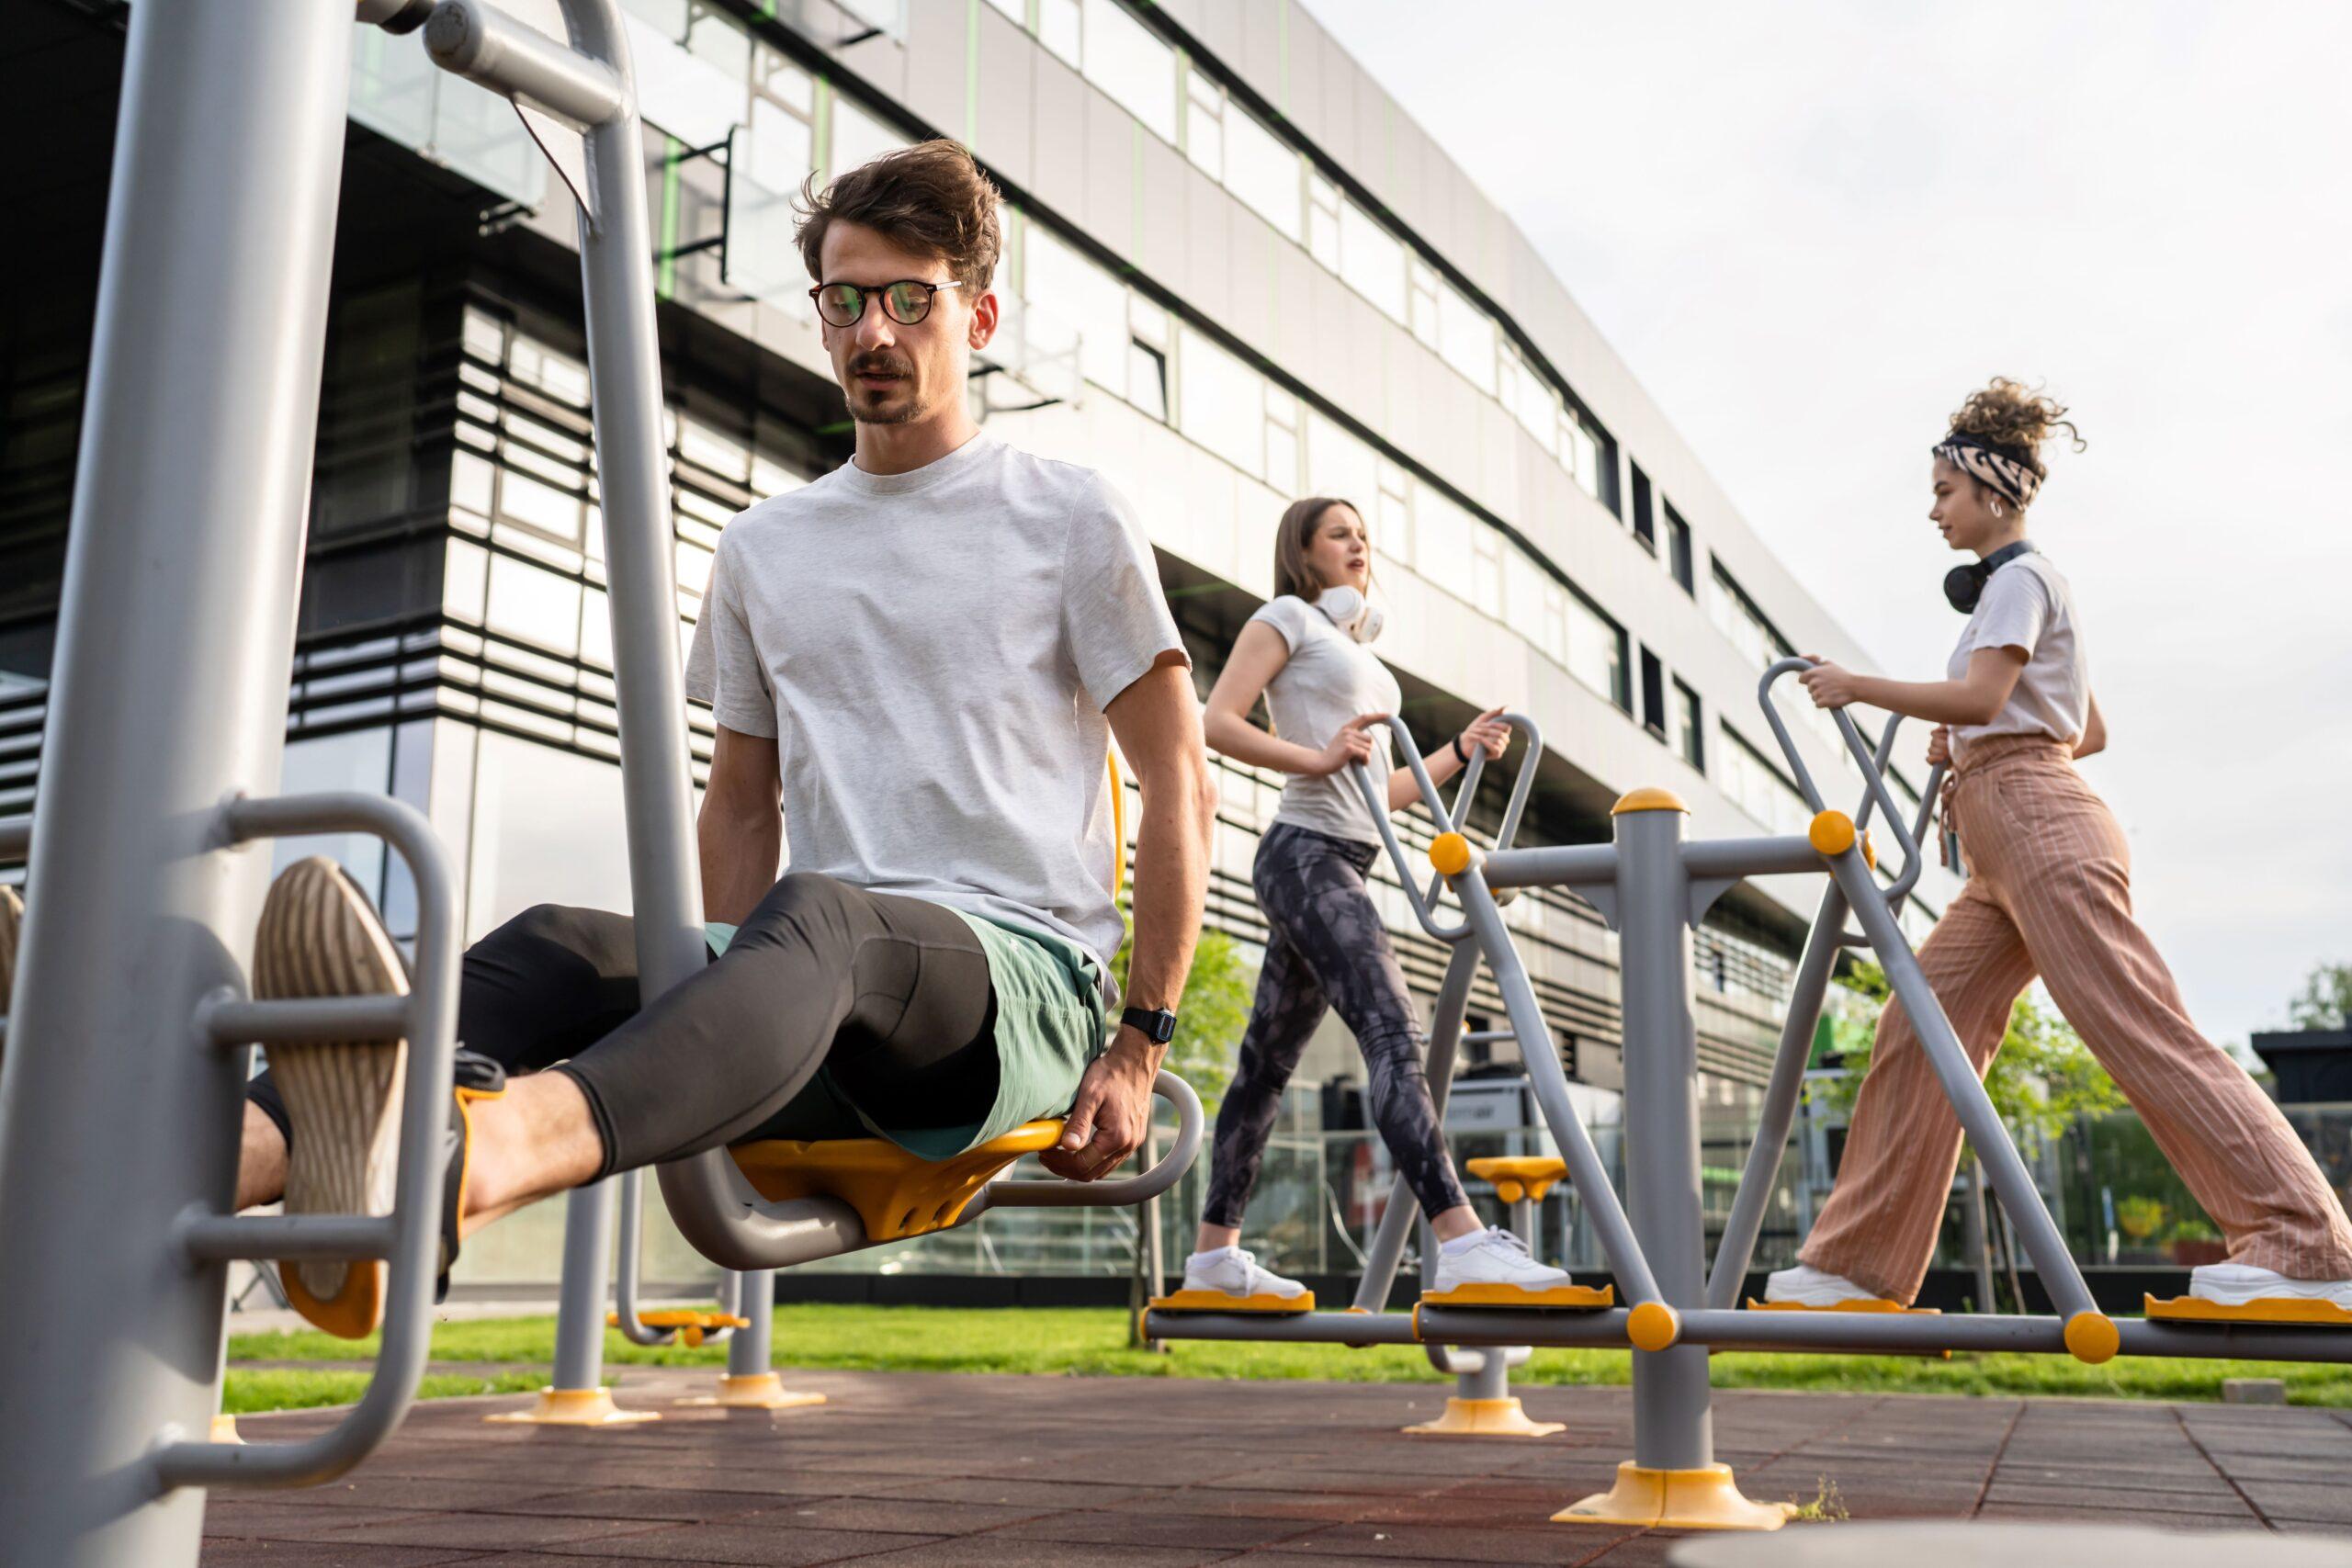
x,y
1811,229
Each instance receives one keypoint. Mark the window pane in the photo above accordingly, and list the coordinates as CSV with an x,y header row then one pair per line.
x,y
1224,403
1147,380
685,94
521,499
1128,61
1443,530
1466,338
1058,27
360,762
547,828
1261,170
1341,465
1204,140
1597,653
465,575
858,137
1073,301
535,605
1371,260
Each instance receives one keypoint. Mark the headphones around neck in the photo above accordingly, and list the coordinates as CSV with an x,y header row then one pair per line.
x,y
1351,612
1965,585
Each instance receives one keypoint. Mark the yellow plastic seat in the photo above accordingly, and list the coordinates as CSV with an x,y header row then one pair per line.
x,y
1519,1176
2286,1311
896,1194
690,1325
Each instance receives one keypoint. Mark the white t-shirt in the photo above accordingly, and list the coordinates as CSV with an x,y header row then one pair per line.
x,y
2026,605
932,652
1329,678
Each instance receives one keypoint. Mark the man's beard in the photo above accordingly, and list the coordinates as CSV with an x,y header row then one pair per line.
x,y
864,405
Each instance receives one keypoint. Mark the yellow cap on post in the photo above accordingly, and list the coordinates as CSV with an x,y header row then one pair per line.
x,y
1649,800
1832,834
2092,1338
1653,1326
1450,853
1870,853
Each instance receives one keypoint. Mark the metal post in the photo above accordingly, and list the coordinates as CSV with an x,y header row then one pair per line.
x,y
1673,1421
1738,1248
174,645
624,384
1380,1259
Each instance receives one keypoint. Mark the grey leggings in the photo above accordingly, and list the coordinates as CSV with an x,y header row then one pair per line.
x,y
1327,949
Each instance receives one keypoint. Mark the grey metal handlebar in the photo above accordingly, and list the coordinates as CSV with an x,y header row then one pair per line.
x,y
1455,820
1874,779
409,1239
1110,1194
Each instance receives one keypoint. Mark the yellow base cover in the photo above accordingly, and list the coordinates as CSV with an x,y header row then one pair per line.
x,y
1487,1419
1219,1301
1874,1303
1519,1176
2297,1312
1559,1298
575,1407
757,1390
896,1193
1704,1499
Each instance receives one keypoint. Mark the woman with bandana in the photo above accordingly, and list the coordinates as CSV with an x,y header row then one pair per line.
x,y
1308,651
2048,894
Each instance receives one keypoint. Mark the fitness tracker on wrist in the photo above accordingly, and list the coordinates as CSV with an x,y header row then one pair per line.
x,y
1156,1024
1459,754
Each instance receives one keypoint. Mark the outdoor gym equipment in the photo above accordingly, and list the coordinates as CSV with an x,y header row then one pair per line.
x,y
1653,886
132,1030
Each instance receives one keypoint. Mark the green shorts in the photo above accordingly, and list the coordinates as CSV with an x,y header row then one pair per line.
x,y
1049,1025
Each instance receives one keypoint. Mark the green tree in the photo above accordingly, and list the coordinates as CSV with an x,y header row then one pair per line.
x,y
1210,1018
2325,1000
2043,1078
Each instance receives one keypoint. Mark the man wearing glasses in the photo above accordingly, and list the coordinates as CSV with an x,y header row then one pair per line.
x,y
917,664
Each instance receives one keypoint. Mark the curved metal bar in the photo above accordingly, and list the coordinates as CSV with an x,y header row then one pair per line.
x,y
1378,804
1901,887
1805,786
633,1327
1109,1194
484,45
431,1027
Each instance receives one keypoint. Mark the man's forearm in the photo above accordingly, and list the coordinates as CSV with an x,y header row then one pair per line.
x,y
738,854
1171,884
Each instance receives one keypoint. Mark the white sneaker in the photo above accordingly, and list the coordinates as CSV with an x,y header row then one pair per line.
x,y
2235,1284
1806,1286
1493,1257
1235,1272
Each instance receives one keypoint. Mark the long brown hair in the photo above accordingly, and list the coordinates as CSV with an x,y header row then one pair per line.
x,y
1292,536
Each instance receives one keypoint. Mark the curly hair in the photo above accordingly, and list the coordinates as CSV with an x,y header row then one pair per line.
x,y
2010,415
931,199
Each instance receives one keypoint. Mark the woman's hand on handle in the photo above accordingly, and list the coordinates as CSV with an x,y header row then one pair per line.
x,y
1939,746
1354,744
1488,731
1830,685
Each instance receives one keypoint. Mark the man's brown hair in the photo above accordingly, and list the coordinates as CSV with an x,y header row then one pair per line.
x,y
931,197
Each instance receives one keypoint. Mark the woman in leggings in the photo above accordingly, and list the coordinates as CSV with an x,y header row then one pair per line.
x,y
2049,893
1307,651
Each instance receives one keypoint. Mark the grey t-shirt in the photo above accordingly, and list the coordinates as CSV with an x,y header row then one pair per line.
x,y
2026,605
931,652
1329,678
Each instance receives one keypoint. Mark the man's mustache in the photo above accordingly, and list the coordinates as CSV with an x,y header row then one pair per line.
x,y
880,365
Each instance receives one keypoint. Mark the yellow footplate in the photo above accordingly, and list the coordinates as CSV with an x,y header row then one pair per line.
x,y
1559,1298
1220,1301
1875,1303
2285,1312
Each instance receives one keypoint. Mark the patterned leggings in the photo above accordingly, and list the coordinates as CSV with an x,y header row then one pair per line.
x,y
1327,949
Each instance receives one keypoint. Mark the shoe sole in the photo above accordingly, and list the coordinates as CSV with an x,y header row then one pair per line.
x,y
320,937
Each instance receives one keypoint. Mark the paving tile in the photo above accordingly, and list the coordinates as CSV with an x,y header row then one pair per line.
x,y
307,1554
645,1503
253,1518
2220,1502
1420,1543
750,1544
477,1532
1008,1552
1108,1529
899,1516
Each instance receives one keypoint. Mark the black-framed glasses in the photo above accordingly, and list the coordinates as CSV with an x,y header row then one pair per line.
x,y
907,302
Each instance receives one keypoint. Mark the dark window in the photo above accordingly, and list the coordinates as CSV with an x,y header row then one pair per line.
x,y
1677,546
1653,693
1645,523
1690,736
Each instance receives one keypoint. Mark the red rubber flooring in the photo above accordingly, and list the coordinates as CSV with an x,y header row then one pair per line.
x,y
936,1471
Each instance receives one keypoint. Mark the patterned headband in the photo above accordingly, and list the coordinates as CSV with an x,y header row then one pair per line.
x,y
2003,467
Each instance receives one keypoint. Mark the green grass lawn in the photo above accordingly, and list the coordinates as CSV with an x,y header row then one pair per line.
x,y
253,1389
1092,1342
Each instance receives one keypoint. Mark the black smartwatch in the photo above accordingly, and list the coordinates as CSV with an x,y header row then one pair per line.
x,y
1157,1025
